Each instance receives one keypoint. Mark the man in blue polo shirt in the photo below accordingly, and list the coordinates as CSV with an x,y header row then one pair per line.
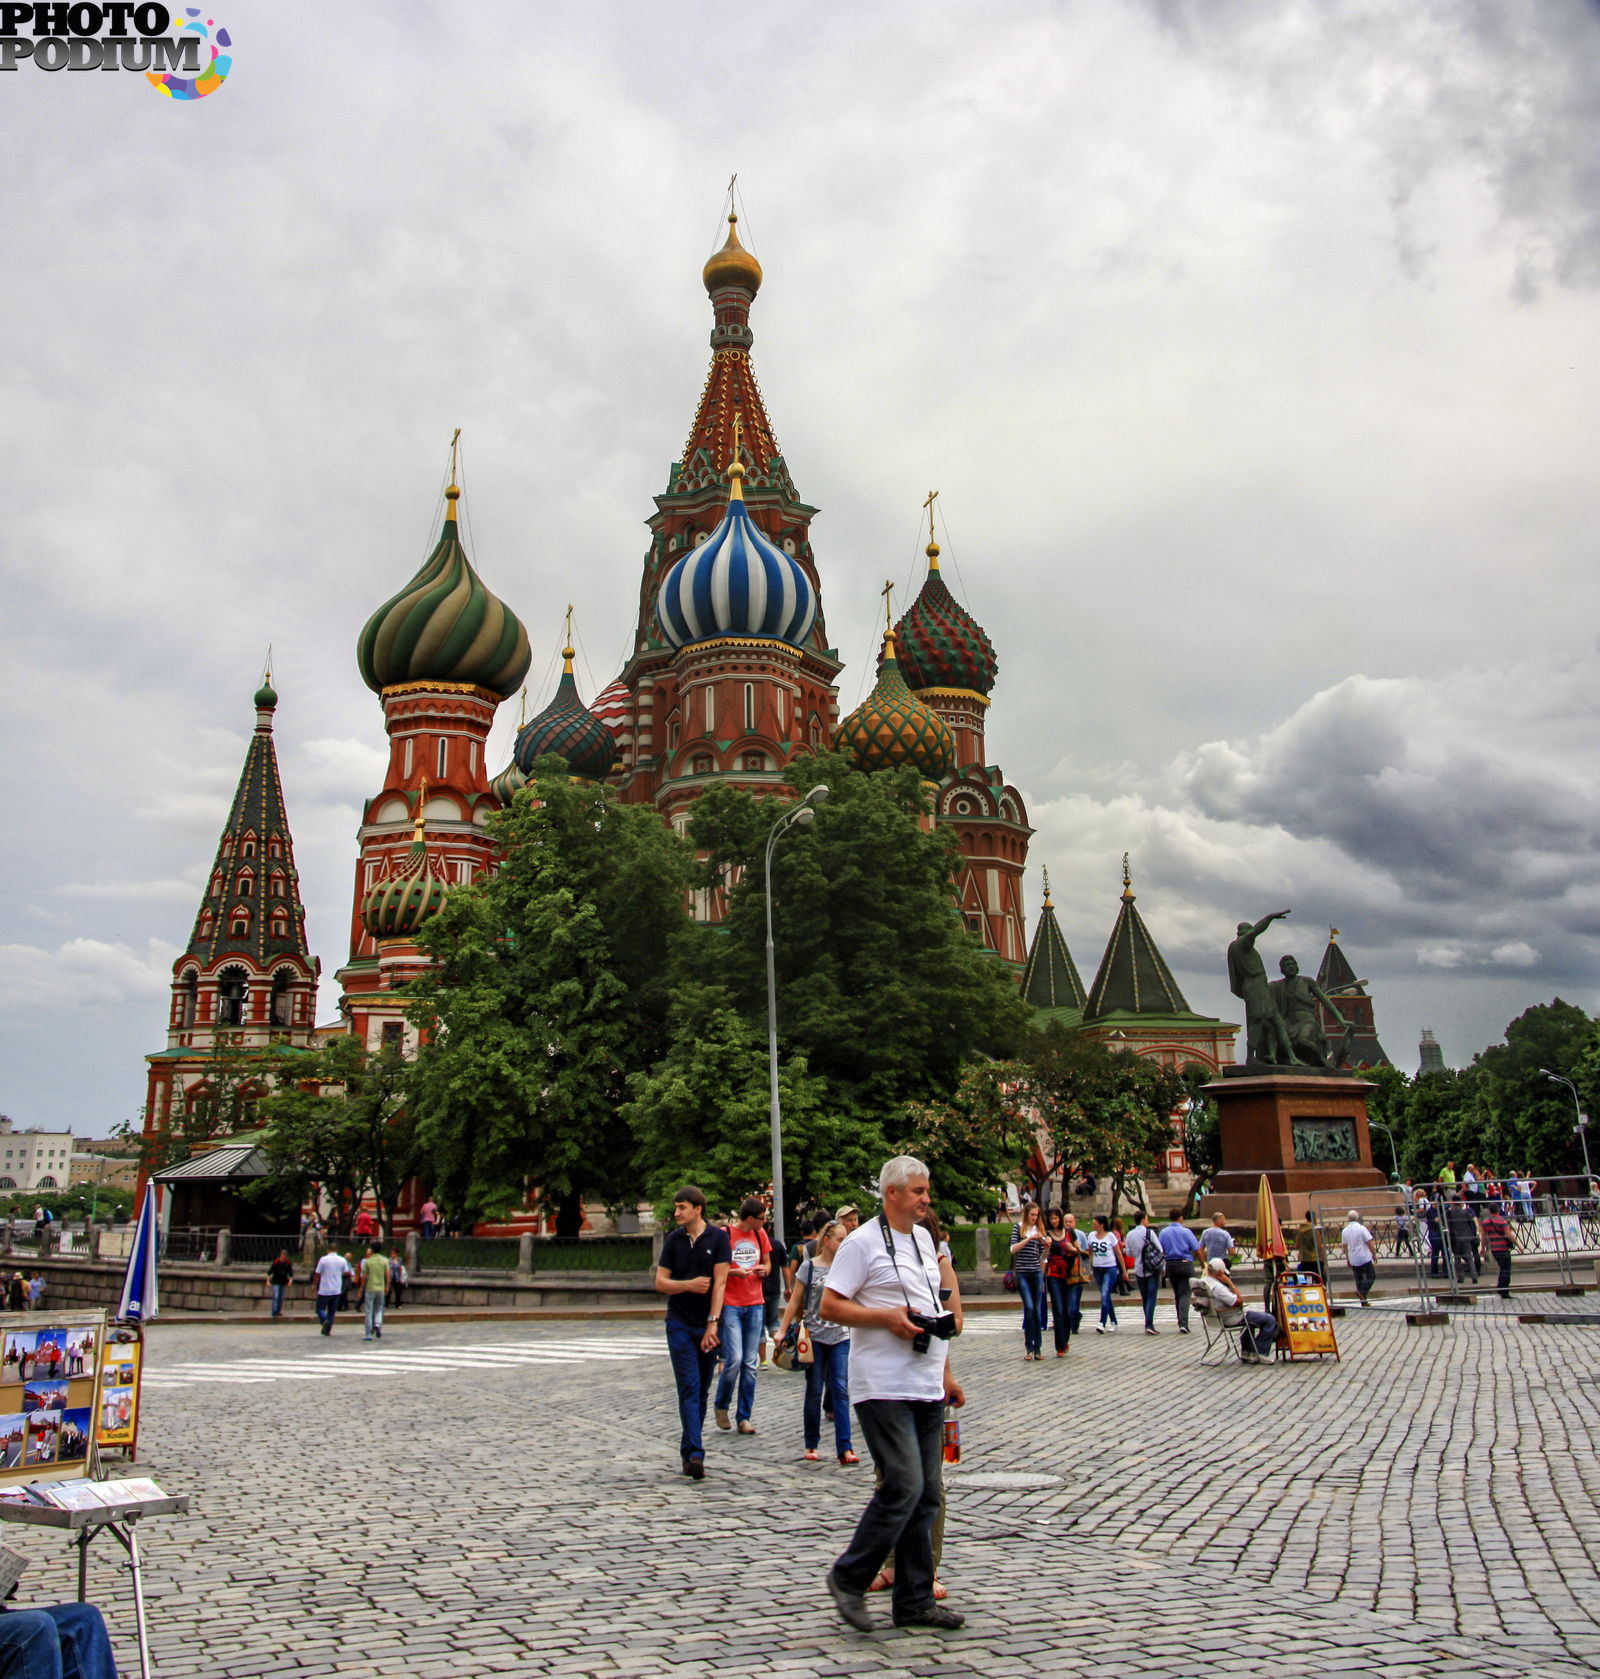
x,y
1179,1244
692,1273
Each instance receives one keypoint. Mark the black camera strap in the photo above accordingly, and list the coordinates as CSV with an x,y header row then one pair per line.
x,y
916,1247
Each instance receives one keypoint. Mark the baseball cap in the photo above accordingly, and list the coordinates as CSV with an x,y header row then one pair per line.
x,y
1218,1265
848,1208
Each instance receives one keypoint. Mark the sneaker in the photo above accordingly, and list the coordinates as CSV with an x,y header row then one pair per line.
x,y
695,1468
723,1419
327,1329
1111,1328
852,1606
934,1615
1150,1331
1099,1329
366,1337
1183,1329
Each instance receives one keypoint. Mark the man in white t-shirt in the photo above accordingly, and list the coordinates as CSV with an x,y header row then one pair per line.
x,y
1260,1329
884,1285
1358,1250
332,1269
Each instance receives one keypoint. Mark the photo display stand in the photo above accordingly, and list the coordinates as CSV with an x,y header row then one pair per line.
x,y
1300,1302
54,1387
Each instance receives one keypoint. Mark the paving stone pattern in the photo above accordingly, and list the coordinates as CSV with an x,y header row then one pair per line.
x,y
1427,1506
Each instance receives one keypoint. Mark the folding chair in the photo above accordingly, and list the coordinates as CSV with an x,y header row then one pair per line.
x,y
1224,1331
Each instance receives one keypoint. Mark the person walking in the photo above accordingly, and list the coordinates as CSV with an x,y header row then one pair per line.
x,y
374,1291
1125,1270
693,1274
1495,1229
333,1278
1028,1247
1105,1259
884,1287
744,1313
398,1278
829,1368
363,1229
280,1273
1461,1224
1360,1255
1217,1241
1060,1263
1079,1276
428,1217
1179,1244
1143,1246
1431,1220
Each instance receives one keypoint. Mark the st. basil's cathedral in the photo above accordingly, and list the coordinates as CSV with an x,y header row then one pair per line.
x,y
731,676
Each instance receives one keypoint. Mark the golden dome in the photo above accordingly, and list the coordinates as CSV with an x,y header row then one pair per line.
x,y
733,265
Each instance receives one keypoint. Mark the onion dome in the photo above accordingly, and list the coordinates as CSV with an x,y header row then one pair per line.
x,y
397,906
892,726
733,265
941,644
568,729
736,582
507,782
445,627
613,705
266,696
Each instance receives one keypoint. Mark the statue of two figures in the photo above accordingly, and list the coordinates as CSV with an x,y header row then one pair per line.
x,y
1282,1026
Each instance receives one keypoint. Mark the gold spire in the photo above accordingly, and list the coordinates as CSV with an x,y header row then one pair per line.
x,y
1127,879
453,494
932,550
736,462
419,821
733,265
566,652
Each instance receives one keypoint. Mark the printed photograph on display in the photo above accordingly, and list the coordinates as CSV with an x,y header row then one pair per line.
x,y
12,1429
116,1409
49,1392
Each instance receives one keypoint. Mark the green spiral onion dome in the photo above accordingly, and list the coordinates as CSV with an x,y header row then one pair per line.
x,y
568,729
941,644
892,726
445,626
507,782
396,907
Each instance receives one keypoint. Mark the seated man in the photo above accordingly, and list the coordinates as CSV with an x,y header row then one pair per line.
x,y
67,1640
1260,1328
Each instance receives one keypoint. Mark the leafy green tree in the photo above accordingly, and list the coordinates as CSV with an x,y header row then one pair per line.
x,y
1200,1134
1530,1118
346,1128
880,986
702,1115
972,1143
551,988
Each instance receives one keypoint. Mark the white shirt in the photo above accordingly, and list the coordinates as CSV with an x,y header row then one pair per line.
x,y
1222,1297
332,1269
882,1365
1102,1247
1357,1241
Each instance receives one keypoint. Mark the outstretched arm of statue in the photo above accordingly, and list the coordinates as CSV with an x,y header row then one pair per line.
x,y
1265,922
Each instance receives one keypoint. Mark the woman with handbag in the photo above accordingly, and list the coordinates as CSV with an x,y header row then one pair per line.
x,y
822,1347
1028,1245
1063,1272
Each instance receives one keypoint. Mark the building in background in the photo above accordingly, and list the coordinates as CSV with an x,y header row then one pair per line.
x,y
1338,979
34,1159
1430,1057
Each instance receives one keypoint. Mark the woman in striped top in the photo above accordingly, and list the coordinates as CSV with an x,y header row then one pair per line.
x,y
1029,1244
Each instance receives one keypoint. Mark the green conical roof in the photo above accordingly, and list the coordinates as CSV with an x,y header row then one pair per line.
x,y
1050,979
445,626
1134,977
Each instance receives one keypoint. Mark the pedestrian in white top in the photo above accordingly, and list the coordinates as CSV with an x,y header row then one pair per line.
x,y
333,1271
884,1285
1358,1250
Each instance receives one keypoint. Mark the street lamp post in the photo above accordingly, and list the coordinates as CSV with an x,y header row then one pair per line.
x,y
1373,1125
801,815
1582,1126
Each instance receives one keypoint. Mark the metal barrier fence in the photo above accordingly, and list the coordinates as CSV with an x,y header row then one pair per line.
x,y
1440,1234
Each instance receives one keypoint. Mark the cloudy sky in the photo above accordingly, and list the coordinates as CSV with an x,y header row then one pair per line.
x,y
1253,350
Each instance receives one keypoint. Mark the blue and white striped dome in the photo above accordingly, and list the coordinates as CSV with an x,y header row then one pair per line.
x,y
736,583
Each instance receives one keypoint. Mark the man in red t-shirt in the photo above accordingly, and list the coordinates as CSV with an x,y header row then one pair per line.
x,y
744,1312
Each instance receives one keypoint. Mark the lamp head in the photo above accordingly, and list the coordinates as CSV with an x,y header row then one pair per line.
x,y
804,816
818,795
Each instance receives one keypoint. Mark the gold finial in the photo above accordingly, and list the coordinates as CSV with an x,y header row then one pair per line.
x,y
419,822
1127,879
453,494
932,550
736,464
566,652
1047,903
1333,935
522,708
266,669
887,591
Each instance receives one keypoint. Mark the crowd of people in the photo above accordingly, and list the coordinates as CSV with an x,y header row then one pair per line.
x,y
377,1281
20,1292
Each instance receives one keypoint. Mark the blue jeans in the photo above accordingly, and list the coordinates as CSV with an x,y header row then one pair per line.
x,y
278,1292
1074,1308
327,1309
906,1439
691,1370
829,1368
374,1312
1063,1302
1105,1277
1149,1293
64,1641
742,1329
1030,1290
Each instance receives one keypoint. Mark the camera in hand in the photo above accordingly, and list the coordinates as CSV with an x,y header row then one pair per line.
x,y
943,1326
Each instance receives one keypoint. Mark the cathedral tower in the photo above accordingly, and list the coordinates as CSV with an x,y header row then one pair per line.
x,y
731,674
246,984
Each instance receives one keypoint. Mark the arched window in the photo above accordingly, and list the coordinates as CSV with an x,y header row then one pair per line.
x,y
239,925
749,707
711,709
411,747
8,1183
233,993
444,757
274,849
188,998
282,1007
816,735
45,1183
672,737
277,886
247,886
248,849
280,928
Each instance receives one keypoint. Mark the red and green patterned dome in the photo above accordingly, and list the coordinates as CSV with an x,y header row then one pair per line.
x,y
397,906
941,644
445,626
892,726
568,729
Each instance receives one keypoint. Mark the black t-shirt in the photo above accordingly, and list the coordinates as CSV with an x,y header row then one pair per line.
x,y
682,1259
281,1271
772,1284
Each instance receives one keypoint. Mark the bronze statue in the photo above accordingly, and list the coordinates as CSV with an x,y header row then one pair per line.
x,y
1296,998
1266,1040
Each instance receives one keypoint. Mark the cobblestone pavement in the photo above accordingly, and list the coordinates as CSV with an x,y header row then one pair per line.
x,y
1427,1506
